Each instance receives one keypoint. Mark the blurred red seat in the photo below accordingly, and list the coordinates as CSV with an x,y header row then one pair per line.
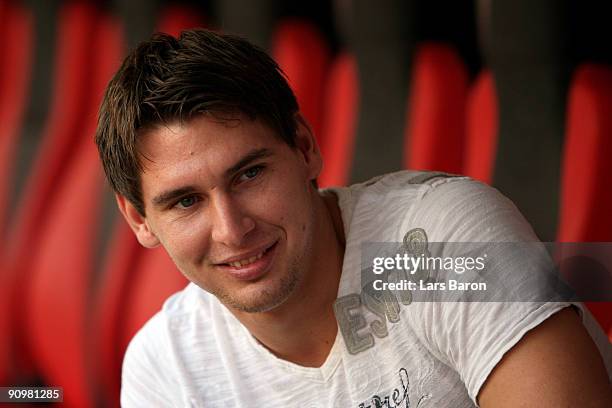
x,y
436,110
302,53
63,128
586,196
339,121
176,18
16,36
481,135
586,183
58,291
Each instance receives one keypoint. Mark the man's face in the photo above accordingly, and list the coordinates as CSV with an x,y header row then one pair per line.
x,y
232,204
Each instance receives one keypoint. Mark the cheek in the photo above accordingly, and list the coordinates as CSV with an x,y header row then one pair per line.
x,y
285,202
186,242
290,207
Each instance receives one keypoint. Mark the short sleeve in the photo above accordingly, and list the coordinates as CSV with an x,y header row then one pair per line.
x,y
472,337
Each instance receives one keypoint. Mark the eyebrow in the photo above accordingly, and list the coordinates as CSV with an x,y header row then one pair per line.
x,y
166,197
248,159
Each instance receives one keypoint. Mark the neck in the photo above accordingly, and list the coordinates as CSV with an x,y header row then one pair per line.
x,y
303,329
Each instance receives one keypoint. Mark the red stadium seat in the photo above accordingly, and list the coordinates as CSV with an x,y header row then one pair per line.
x,y
175,19
481,135
16,32
59,289
16,46
339,122
64,126
58,293
436,110
586,196
586,183
303,55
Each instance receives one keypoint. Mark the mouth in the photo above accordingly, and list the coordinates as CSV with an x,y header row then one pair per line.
x,y
251,267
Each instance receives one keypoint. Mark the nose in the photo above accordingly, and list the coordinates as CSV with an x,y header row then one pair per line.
x,y
231,224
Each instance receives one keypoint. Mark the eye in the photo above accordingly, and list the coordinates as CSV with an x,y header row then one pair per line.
x,y
186,202
250,173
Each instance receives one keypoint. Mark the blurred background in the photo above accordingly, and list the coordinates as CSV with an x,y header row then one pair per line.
x,y
515,93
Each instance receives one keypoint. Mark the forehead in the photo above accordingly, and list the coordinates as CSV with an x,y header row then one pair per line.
x,y
201,152
206,136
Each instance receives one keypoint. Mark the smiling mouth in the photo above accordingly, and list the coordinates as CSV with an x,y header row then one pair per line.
x,y
248,261
253,267
245,262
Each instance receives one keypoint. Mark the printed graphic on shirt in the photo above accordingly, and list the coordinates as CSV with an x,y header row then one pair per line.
x,y
398,397
384,305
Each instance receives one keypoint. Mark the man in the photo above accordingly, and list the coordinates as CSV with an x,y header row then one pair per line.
x,y
203,142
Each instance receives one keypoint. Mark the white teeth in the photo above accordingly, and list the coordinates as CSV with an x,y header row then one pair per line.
x,y
244,262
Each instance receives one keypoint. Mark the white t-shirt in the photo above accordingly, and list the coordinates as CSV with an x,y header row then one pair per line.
x,y
195,353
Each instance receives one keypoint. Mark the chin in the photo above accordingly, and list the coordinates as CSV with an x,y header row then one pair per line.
x,y
261,300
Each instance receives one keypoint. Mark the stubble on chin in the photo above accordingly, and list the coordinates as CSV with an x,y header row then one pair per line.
x,y
267,299
278,293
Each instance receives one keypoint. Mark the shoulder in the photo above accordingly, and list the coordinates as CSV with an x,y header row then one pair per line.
x,y
447,207
388,193
460,209
413,187
401,180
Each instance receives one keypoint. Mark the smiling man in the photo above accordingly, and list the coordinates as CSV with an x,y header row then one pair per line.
x,y
203,142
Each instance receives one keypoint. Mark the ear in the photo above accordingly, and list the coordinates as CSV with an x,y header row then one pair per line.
x,y
137,222
308,147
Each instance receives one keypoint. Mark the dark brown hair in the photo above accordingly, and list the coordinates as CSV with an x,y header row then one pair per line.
x,y
167,79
